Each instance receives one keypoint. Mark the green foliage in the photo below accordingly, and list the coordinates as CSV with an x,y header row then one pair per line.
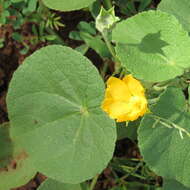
x,y
180,9
6,146
43,22
63,138
172,185
57,126
129,7
1,42
86,32
15,167
127,130
152,46
166,133
64,5
4,13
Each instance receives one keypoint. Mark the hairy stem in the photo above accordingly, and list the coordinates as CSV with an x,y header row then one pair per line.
x,y
112,51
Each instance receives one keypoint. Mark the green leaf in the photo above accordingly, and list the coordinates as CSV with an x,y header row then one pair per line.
x,y
96,43
127,130
65,5
16,36
144,4
54,107
51,184
50,37
16,168
75,35
173,185
95,8
164,137
82,48
180,9
121,130
6,145
86,27
17,1
153,46
32,4
126,7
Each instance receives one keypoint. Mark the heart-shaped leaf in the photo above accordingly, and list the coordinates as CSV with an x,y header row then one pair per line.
x,y
16,168
153,46
54,107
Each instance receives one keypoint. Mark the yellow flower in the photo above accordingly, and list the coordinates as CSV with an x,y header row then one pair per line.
x,y
124,99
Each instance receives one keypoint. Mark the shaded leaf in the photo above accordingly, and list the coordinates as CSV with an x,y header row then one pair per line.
x,y
153,46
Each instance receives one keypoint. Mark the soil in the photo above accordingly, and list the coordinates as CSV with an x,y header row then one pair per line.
x,y
10,59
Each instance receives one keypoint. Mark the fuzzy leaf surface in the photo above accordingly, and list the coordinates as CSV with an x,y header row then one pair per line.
x,y
64,5
180,9
51,184
153,46
164,137
54,107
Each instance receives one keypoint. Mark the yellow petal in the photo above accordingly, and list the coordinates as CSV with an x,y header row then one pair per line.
x,y
138,107
106,104
124,99
134,85
117,89
117,109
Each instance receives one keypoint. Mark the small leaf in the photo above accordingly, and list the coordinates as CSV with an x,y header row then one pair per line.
x,y
86,27
96,43
50,37
82,48
16,36
95,8
75,35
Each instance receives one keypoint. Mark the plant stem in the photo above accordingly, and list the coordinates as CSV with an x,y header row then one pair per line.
x,y
108,44
107,4
112,51
94,181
